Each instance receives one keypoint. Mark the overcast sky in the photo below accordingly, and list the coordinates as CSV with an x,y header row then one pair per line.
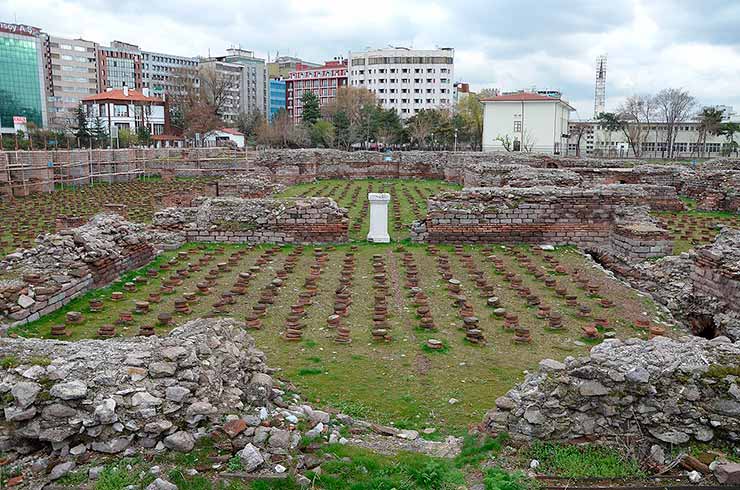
x,y
651,44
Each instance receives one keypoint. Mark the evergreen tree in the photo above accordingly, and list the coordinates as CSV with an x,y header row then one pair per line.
x,y
144,136
342,131
311,111
100,132
81,130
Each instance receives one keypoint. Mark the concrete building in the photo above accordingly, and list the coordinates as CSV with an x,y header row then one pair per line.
x,y
166,73
119,65
22,75
283,65
407,80
526,121
460,90
71,75
117,109
230,75
323,81
277,97
254,90
596,141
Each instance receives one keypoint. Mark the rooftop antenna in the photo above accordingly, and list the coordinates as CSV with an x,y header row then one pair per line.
x,y
600,86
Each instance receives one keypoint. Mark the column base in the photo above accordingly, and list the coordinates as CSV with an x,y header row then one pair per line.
x,y
379,239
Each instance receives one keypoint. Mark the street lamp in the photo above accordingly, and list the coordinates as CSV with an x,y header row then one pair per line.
x,y
455,147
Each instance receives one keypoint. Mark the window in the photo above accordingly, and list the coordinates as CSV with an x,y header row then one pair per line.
x,y
517,126
120,110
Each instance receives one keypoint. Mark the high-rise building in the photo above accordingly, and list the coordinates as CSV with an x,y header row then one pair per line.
x,y
404,79
71,75
166,73
254,90
119,65
223,81
277,96
283,65
600,86
21,76
324,81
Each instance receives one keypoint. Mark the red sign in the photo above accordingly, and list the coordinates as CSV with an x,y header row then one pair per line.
x,y
19,120
21,29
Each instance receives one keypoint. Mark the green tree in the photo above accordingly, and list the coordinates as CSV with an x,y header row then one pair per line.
x,y
126,138
144,136
710,123
342,131
387,126
610,122
81,130
311,110
322,134
729,130
469,121
100,132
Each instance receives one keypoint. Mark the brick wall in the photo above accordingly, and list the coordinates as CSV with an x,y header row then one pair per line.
x,y
236,220
554,215
713,277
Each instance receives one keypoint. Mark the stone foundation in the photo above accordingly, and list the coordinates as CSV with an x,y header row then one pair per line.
x,y
235,220
64,265
665,391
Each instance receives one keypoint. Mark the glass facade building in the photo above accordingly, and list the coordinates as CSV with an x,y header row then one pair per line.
x,y
21,80
277,96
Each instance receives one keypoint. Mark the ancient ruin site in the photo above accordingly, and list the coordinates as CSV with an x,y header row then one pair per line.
x,y
284,319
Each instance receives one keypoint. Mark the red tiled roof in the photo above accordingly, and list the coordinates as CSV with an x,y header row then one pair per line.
x,y
133,96
231,131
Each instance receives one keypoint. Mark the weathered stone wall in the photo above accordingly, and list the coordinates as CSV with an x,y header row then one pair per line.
x,y
148,391
663,390
246,186
231,219
716,271
63,265
555,215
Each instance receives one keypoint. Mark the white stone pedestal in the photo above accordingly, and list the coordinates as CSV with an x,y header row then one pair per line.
x,y
378,217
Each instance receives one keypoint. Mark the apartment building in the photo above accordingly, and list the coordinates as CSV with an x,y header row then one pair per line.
x,y
22,75
277,97
404,79
324,81
166,73
71,75
254,89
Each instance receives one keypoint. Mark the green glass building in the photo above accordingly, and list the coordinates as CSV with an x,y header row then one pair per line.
x,y
21,76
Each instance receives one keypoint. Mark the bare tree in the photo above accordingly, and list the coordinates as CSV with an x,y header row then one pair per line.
x,y
505,141
528,141
420,128
351,101
216,87
578,129
636,112
675,106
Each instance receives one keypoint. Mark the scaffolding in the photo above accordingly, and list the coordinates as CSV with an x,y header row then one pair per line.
x,y
600,88
27,172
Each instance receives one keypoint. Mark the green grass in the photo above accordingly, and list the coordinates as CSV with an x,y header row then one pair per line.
x,y
309,371
477,447
124,472
587,461
498,479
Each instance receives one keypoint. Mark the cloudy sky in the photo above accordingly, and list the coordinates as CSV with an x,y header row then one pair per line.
x,y
651,44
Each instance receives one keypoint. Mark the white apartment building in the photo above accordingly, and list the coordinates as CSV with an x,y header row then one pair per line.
x,y
597,141
231,75
404,79
526,121
72,74
125,108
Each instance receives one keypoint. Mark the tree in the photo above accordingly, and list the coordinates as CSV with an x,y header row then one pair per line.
x,y
216,87
710,123
126,138
81,130
388,126
487,93
342,131
248,122
359,106
528,141
420,127
311,111
635,114
100,132
675,106
144,136
578,130
322,134
505,141
195,104
729,130
470,111
610,122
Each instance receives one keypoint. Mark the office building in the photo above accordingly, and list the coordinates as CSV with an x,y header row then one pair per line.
x,y
71,75
324,81
254,90
225,79
119,65
277,96
407,80
22,74
168,74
